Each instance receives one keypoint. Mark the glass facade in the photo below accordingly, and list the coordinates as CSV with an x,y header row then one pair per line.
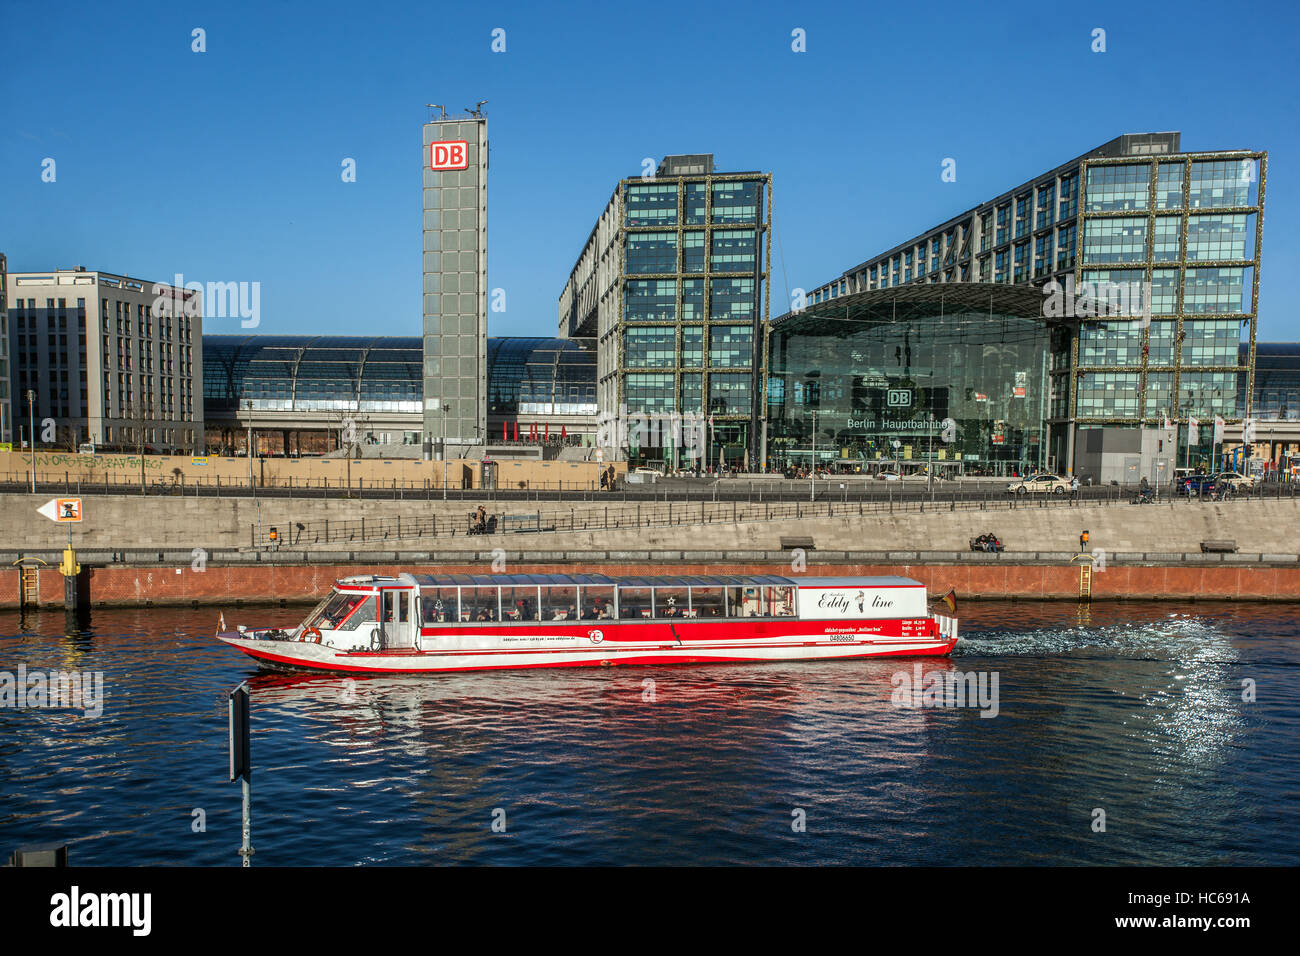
x,y
540,376
1198,248
689,331
311,373
1135,211
874,383
1277,382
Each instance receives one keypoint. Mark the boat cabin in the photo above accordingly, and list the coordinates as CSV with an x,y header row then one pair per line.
x,y
385,613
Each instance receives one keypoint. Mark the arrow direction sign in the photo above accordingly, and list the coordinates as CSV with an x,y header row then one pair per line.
x,y
61,510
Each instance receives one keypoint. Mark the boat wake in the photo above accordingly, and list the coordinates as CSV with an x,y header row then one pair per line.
x,y
1180,636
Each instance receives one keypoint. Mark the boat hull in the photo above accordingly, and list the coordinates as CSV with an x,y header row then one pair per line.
x,y
561,648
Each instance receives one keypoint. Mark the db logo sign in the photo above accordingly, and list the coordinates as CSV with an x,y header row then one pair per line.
x,y
453,154
899,397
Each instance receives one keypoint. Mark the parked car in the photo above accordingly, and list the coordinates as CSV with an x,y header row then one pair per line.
x,y
1196,485
888,476
1039,484
1237,480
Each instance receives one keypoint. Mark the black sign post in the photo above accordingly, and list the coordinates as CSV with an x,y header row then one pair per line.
x,y
241,767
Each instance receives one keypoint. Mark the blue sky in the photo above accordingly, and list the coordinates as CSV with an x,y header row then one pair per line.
x,y
225,165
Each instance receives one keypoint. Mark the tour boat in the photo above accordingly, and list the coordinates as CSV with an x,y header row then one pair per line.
x,y
418,623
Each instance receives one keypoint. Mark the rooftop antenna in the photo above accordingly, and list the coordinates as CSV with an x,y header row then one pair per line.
x,y
439,108
477,111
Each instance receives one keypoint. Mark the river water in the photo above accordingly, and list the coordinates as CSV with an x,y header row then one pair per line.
x,y
1131,710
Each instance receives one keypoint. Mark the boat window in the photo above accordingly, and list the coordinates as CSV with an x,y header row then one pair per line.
x,y
365,613
560,603
749,602
633,603
780,601
519,604
478,604
438,605
597,601
670,602
707,602
335,609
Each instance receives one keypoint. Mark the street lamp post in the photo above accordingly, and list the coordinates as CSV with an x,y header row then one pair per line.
x,y
251,487
445,410
31,432
812,471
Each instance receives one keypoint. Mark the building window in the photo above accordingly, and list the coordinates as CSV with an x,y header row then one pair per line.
x,y
647,393
1065,247
734,250
1107,395
693,249
1169,186
1115,240
732,299
1022,216
651,204
1222,183
651,252
735,202
1217,290
1046,206
1069,202
696,202
692,346
731,346
649,346
692,300
1227,236
729,394
650,300
1117,188
1166,243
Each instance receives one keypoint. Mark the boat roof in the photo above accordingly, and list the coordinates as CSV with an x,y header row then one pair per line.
x,y
643,581
569,580
883,581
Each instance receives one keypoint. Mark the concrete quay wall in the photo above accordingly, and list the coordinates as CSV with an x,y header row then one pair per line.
x,y
123,523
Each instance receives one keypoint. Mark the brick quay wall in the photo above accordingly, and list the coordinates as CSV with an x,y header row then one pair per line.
x,y
1037,576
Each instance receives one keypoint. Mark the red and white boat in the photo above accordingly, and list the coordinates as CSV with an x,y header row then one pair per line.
x,y
418,623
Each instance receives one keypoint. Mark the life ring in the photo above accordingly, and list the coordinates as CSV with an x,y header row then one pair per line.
x,y
307,635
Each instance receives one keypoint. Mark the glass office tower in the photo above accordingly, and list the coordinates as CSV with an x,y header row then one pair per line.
x,y
673,283
455,162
